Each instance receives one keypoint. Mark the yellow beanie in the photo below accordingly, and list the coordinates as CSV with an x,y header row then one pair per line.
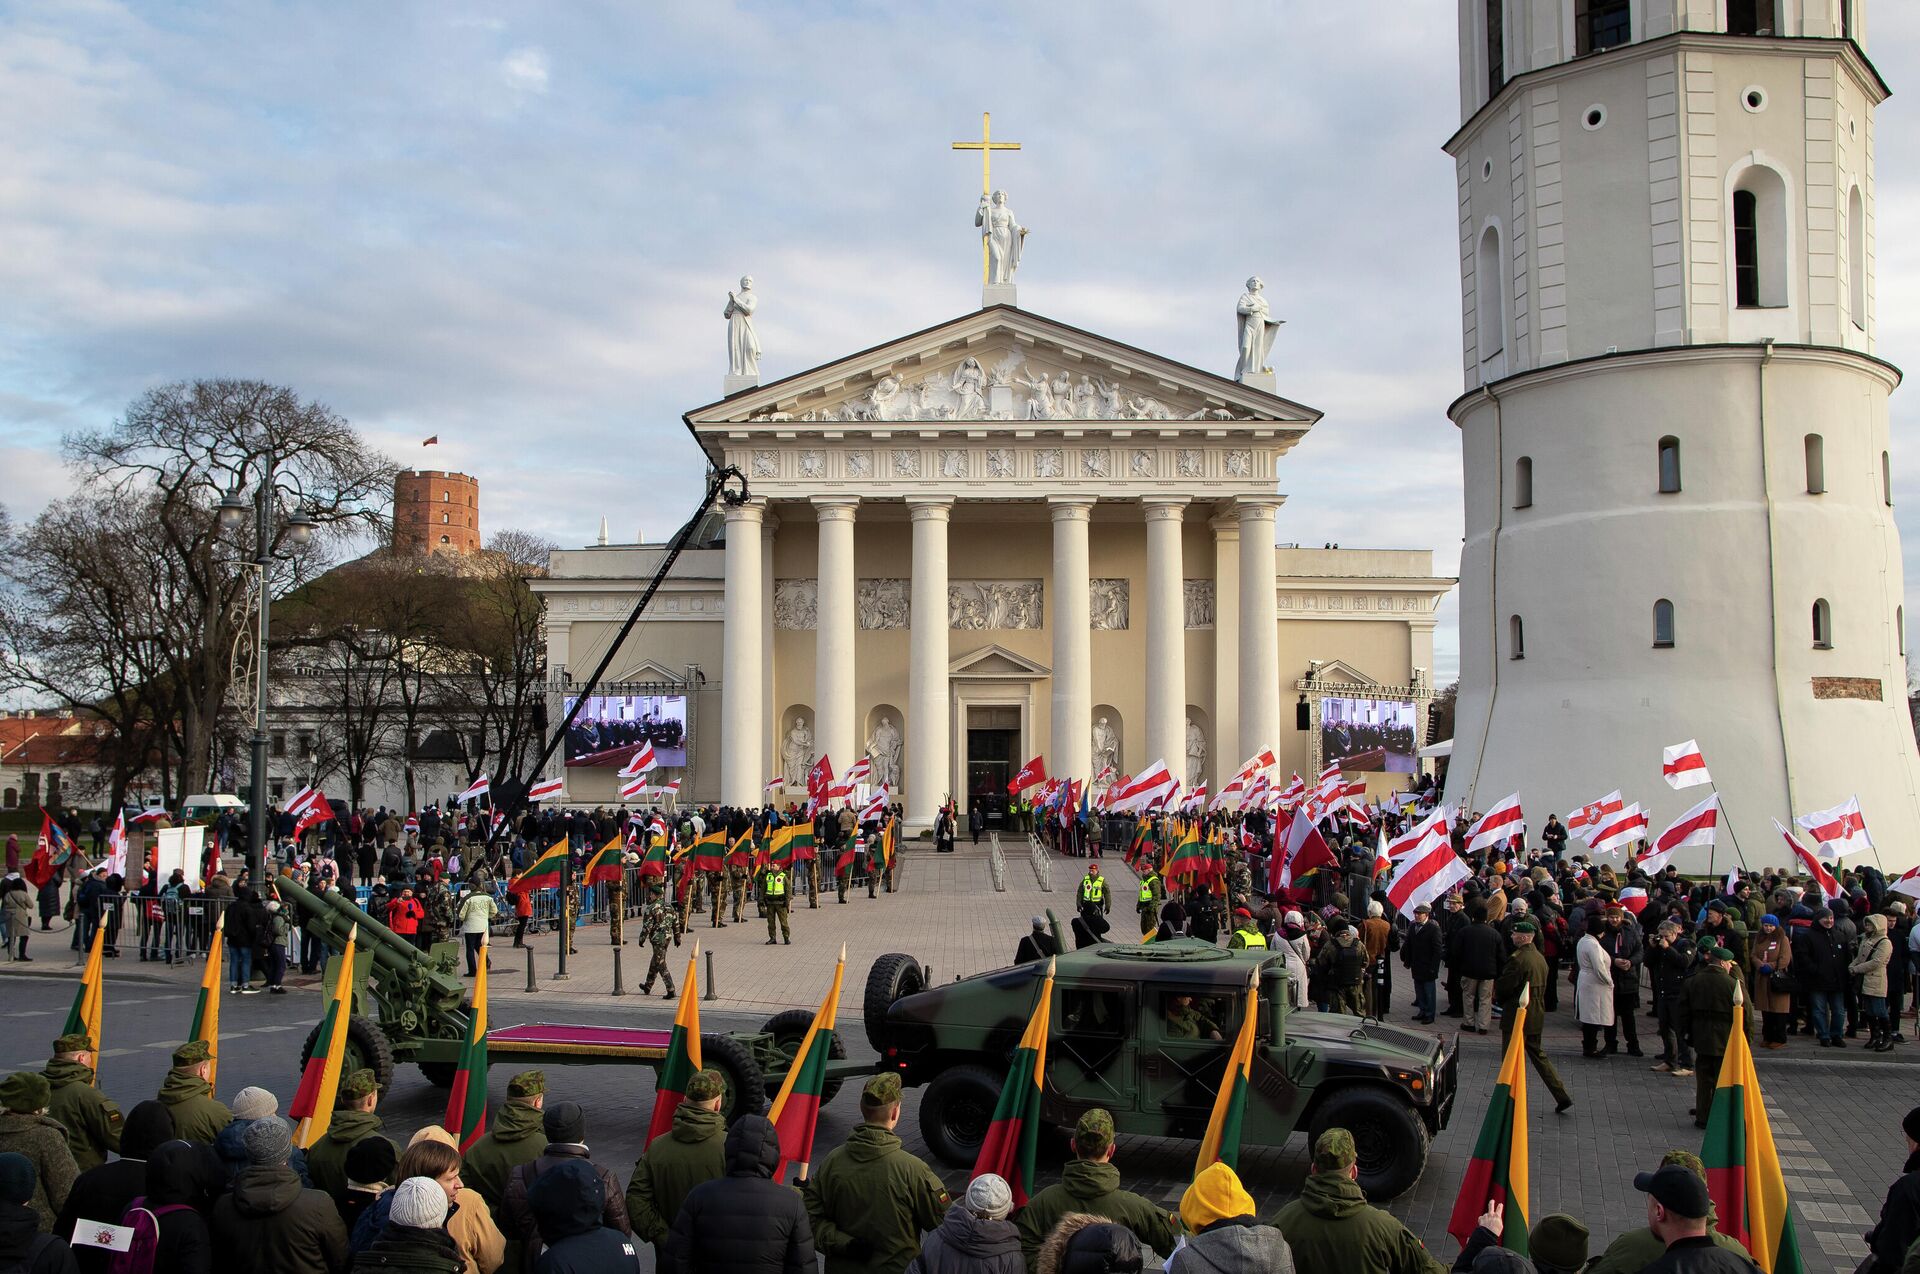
x,y
1215,1195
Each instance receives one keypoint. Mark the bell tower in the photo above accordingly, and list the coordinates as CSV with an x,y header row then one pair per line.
x,y
1679,514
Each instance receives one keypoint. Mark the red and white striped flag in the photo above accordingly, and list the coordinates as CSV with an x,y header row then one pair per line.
x,y
476,789
1144,791
775,783
545,789
639,763
1196,799
149,816
1620,831
1297,851
1417,838
297,803
1907,882
1839,831
1497,826
1586,819
1634,899
1254,795
1682,765
117,846
1424,876
1261,760
1695,827
412,825
1829,887
876,807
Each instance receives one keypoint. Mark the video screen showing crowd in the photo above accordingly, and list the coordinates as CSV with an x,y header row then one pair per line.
x,y
609,729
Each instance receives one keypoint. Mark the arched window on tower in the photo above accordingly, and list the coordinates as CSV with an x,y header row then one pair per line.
x,y
446,497
1822,625
445,519
1516,638
1496,46
1816,464
445,540
1752,17
1886,480
1857,258
1900,627
1760,239
1669,464
1662,624
1523,482
1490,305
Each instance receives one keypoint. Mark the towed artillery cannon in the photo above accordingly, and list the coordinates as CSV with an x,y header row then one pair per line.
x,y
411,1006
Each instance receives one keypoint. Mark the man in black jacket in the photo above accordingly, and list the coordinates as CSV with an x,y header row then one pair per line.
x,y
1624,948
103,1193
1900,1214
1670,959
745,1222
1452,919
1421,954
567,1203
1820,960
1475,954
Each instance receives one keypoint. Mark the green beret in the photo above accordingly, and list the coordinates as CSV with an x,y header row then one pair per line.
x,y
882,1090
192,1053
707,1085
1559,1241
1525,926
359,1084
74,1042
25,1092
1333,1152
527,1084
1094,1133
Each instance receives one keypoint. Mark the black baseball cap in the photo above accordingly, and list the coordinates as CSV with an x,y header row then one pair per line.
x,y
1678,1191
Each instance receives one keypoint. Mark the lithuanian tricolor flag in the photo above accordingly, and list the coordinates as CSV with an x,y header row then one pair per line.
x,y
1012,1145
1498,1169
796,1110
1189,859
654,862
784,845
91,998
1222,1142
683,1054
1743,1172
466,1116
710,851
206,1008
741,855
543,872
604,867
313,1101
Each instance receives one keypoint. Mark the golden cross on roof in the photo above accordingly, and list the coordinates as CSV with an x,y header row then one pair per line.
x,y
986,146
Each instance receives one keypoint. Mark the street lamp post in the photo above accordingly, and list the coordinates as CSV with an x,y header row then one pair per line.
x,y
233,511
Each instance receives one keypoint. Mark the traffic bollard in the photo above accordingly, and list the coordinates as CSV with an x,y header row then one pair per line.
x,y
619,985
531,987
710,993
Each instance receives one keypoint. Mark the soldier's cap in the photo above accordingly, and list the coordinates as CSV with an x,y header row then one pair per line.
x,y
527,1084
1093,1134
705,1086
1525,926
192,1053
1333,1151
359,1084
1685,1159
882,1090
74,1042
25,1092
1558,1241
1677,1190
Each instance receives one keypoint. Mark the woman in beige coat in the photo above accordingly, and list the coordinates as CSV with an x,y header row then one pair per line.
x,y
469,1221
1772,954
1870,966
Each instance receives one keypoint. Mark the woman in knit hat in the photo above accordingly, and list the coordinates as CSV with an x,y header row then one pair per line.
x,y
26,1130
975,1237
414,1240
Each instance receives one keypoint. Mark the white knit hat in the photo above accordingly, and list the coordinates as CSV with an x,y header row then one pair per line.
x,y
419,1202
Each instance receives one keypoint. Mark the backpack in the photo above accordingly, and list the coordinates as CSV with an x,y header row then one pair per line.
x,y
35,1246
143,1250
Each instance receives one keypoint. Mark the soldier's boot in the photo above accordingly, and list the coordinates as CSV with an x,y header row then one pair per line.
x,y
668,993
646,988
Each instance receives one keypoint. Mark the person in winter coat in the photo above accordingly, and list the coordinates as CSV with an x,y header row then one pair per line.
x,y
744,1223
91,1119
1222,1235
1670,957
103,1193
245,934
692,1151
1084,1244
250,1104
1772,954
567,1204
414,1239
16,916
1593,989
1333,1230
1557,1244
432,1153
353,1120
1421,953
1474,955
1090,1183
1821,958
1636,1249
183,1180
26,1130
1870,966
869,1200
24,1244
1899,1226
975,1236
1710,1016
269,1221
1620,935
566,1128
188,1095
1342,963
516,1137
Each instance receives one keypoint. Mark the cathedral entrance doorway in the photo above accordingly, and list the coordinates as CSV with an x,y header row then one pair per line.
x,y
993,738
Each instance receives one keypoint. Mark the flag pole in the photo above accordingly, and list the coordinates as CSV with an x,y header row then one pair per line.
x,y
1738,853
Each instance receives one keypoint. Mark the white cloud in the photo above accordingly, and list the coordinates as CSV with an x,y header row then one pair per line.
x,y
526,70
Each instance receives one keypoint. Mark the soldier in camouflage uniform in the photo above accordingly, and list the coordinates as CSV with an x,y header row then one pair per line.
x,y
438,904
1239,883
656,930
871,1199
738,874
571,920
716,883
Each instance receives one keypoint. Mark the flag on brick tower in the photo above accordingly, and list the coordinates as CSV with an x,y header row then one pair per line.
x,y
543,872
466,1116
683,1053
1221,1144
604,867
206,1006
1498,825
90,1000
1012,1145
1296,853
1829,887
1744,1179
796,1111
313,1102
1497,1173
1682,765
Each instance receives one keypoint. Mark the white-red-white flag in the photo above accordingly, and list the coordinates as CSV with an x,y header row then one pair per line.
x,y
297,803
1695,827
1633,898
1733,880
149,816
639,763
1144,791
1497,826
1254,795
1294,793
1839,831
476,789
1829,887
117,846
775,783
1586,819
1196,799
1418,837
1261,760
1619,832
1682,765
545,789
1907,882
634,789
876,807
1425,876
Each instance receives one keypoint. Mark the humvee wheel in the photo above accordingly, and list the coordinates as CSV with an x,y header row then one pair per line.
x,y
746,1084
893,976
957,1111
439,1074
1389,1141
366,1048
787,1030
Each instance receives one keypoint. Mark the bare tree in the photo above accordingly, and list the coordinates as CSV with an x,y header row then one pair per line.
x,y
493,697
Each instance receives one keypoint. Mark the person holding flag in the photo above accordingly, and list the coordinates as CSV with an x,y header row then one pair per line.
x,y
1747,1188
1523,981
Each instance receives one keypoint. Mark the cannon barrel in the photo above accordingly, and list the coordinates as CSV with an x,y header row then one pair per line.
x,y
331,914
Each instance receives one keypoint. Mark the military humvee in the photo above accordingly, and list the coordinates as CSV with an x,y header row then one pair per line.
x,y
1144,1031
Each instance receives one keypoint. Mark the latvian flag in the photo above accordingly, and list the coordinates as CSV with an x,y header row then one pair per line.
x,y
1682,765
545,789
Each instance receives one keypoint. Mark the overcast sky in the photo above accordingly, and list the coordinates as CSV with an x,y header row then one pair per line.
x,y
514,225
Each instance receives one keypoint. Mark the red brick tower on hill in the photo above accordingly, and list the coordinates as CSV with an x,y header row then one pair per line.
x,y
435,512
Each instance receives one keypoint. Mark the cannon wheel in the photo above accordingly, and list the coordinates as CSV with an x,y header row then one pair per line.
x,y
440,1074
367,1048
787,1030
893,976
746,1082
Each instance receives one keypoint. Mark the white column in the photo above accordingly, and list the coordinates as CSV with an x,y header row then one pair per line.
x,y
1226,649
927,664
743,659
770,710
834,701
1259,628
1070,749
1166,637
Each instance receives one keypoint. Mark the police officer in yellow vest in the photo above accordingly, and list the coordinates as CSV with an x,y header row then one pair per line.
x,y
1093,900
773,897
1246,934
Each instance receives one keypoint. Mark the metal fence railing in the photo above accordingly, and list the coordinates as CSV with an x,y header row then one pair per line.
x,y
996,863
1042,863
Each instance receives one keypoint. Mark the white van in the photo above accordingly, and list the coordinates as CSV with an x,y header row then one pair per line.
x,y
206,808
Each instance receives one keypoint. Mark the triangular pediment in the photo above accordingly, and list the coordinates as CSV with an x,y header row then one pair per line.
x,y
1339,672
997,662
644,672
1003,364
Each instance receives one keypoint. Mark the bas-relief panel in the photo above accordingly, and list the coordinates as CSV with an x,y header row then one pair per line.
x,y
1196,596
884,603
988,604
796,604
1108,603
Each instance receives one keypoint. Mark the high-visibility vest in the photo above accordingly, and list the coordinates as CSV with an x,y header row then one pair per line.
x,y
776,884
1252,939
1146,890
1093,889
